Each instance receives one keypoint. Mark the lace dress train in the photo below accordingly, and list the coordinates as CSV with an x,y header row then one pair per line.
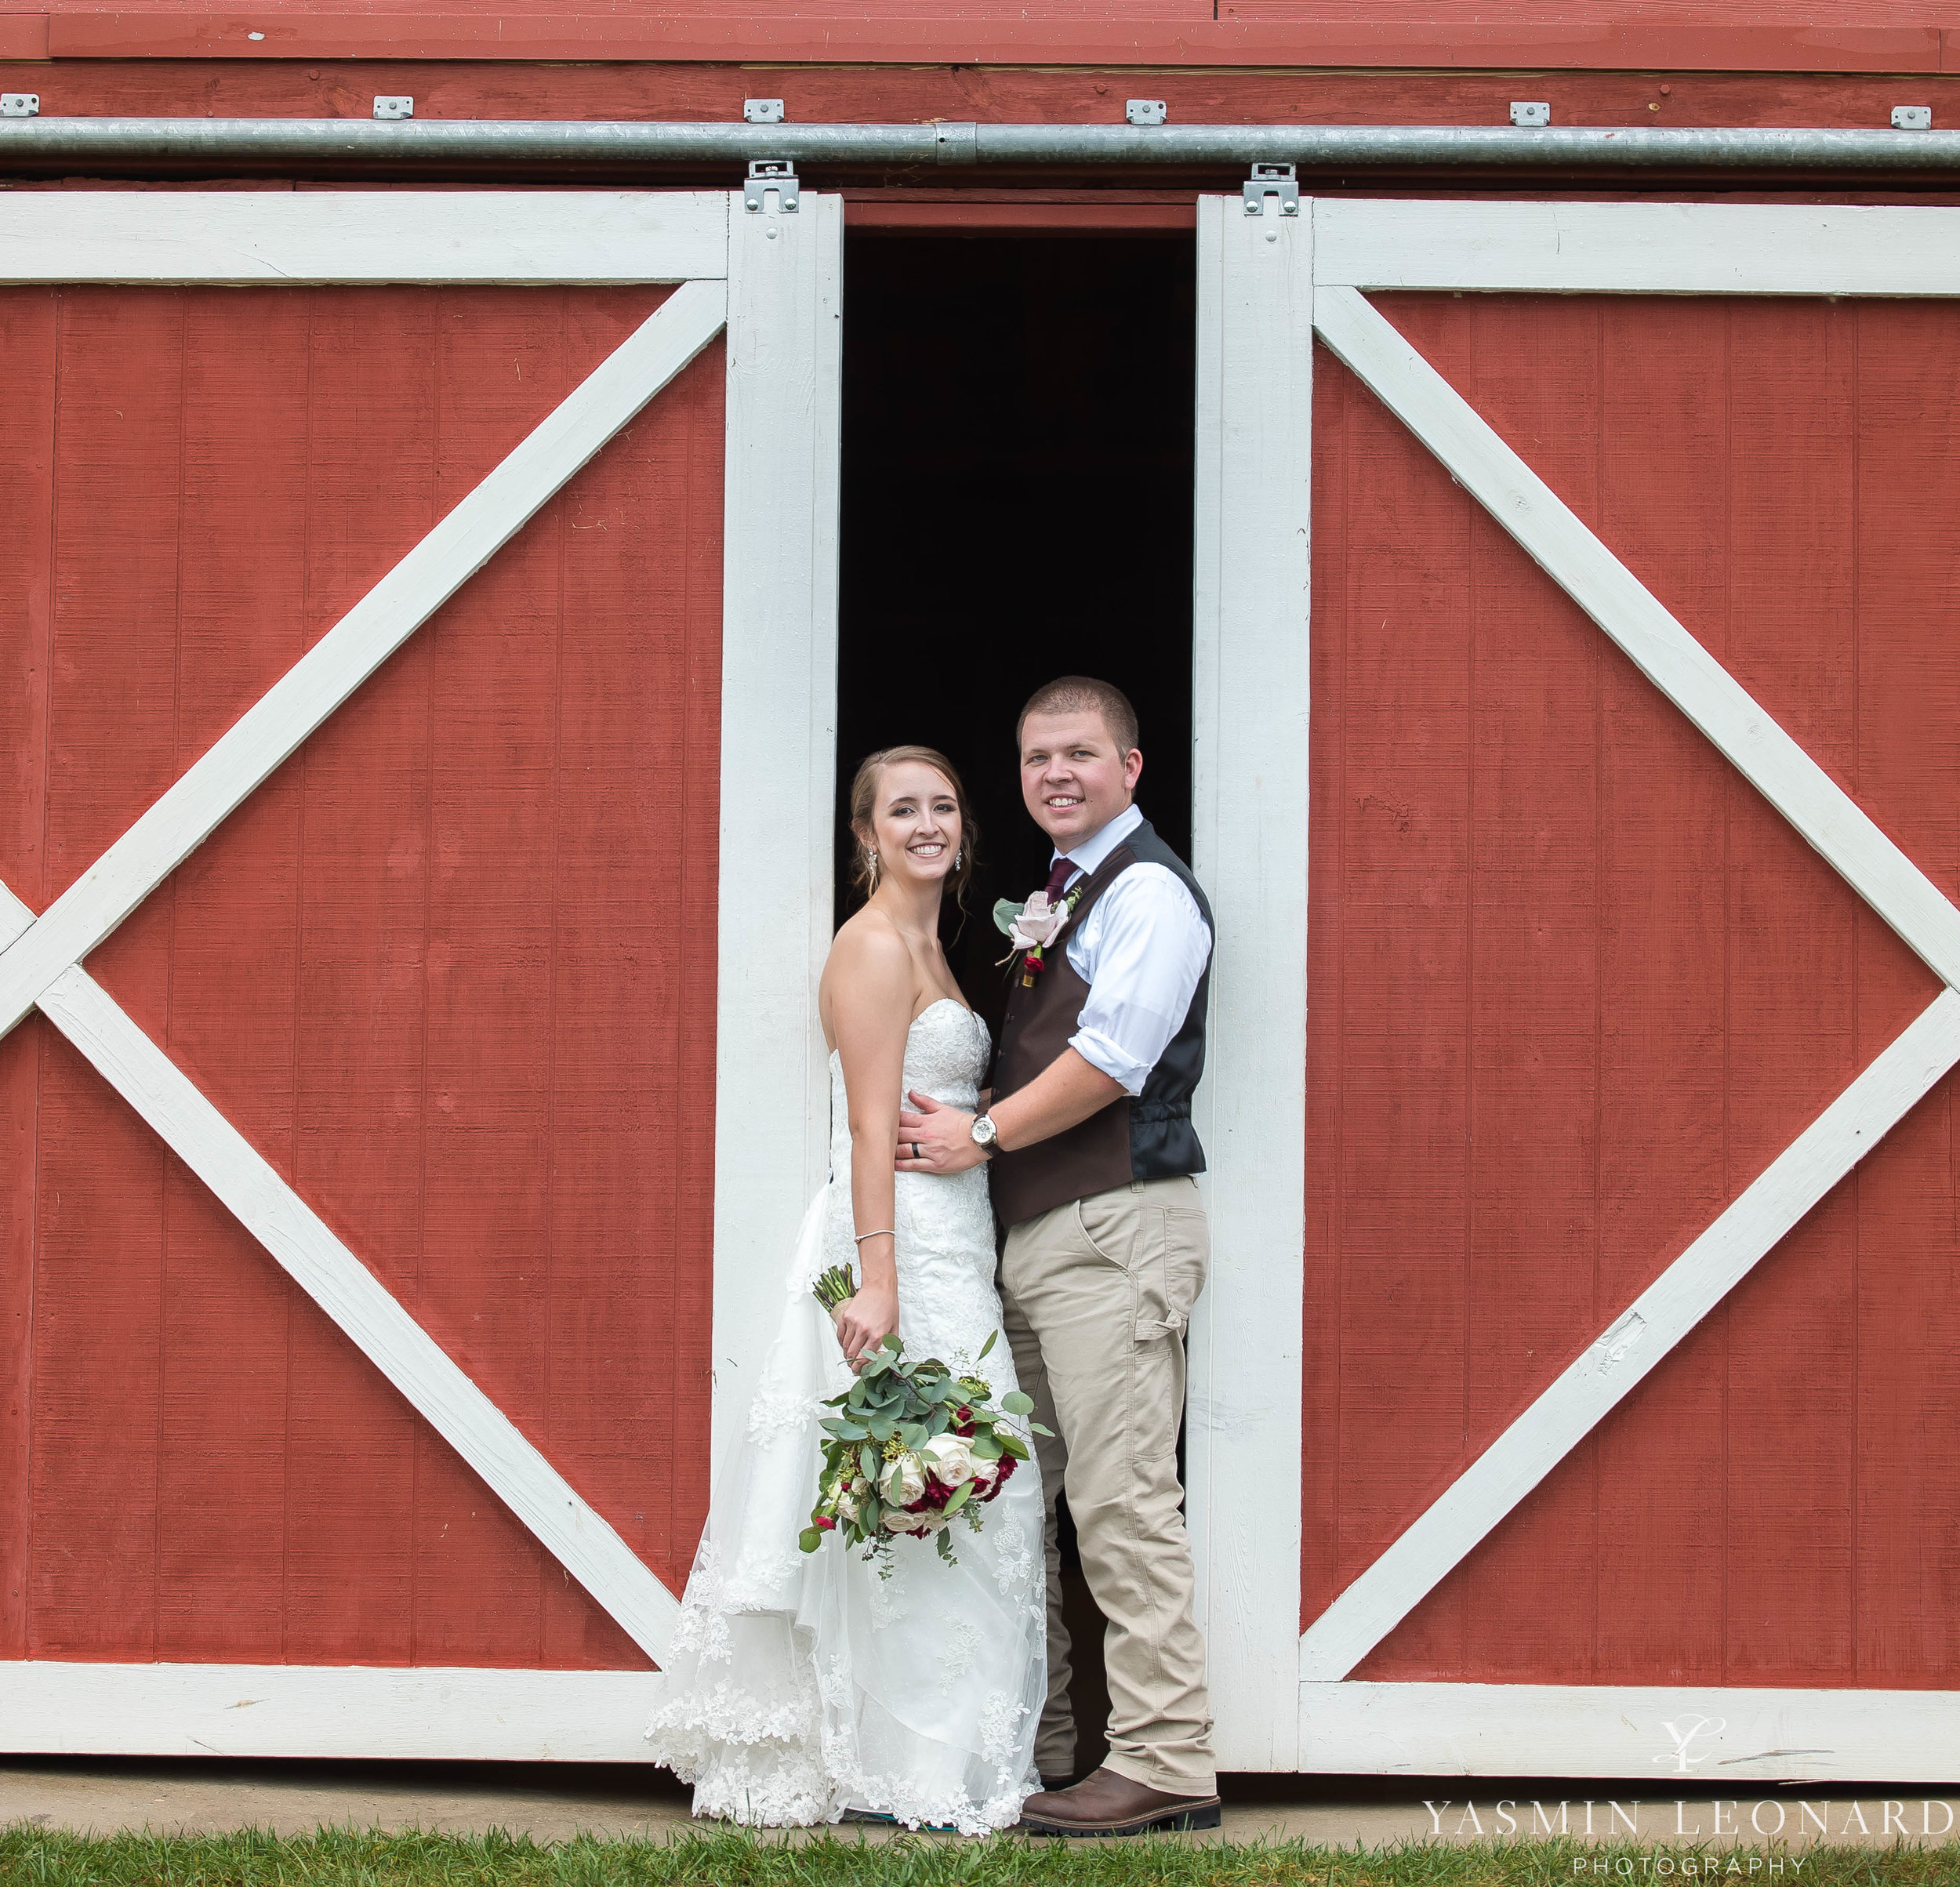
x,y
803,1685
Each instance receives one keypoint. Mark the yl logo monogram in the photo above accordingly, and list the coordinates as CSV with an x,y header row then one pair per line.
x,y
1682,1761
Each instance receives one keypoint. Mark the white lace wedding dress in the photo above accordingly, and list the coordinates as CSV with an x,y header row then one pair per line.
x,y
803,1685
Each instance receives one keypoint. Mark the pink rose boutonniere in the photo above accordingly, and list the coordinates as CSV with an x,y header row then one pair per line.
x,y
1031,927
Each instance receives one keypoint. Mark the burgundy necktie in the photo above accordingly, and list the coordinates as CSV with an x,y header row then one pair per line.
x,y
1065,870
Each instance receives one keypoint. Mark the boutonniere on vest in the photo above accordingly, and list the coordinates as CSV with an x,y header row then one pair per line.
x,y
1030,927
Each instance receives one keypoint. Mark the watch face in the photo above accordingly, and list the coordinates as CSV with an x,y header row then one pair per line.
x,y
983,1131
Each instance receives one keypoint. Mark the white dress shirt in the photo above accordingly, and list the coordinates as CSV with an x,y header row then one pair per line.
x,y
1141,949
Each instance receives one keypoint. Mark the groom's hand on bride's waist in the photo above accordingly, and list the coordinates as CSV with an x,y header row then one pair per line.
x,y
942,1136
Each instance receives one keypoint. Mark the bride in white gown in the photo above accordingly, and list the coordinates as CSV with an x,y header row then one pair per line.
x,y
802,1687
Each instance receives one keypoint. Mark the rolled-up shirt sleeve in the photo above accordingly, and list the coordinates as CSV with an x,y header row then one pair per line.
x,y
1149,949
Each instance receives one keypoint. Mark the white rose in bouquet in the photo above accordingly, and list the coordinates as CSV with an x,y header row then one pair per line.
x,y
952,1460
903,1481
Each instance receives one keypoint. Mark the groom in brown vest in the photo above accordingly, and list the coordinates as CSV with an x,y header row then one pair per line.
x,y
1090,1132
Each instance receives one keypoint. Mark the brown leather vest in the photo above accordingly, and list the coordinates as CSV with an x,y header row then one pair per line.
x,y
1148,1138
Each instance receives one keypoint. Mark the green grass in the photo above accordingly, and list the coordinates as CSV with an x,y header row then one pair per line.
x,y
346,1859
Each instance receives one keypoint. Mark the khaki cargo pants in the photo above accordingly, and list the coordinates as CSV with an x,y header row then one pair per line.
x,y
1097,1294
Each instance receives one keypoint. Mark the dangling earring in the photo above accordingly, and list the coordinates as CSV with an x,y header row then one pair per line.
x,y
871,866
959,858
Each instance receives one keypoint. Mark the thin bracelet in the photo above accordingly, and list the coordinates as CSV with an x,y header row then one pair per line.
x,y
887,1233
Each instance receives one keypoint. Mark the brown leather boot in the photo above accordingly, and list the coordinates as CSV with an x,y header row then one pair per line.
x,y
1105,1803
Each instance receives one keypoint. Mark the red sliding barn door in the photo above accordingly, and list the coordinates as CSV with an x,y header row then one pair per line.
x,y
1574,984
450,970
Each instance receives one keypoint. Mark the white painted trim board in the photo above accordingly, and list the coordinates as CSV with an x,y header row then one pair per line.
x,y
1637,249
431,1713
1249,836
309,239
1737,1738
778,765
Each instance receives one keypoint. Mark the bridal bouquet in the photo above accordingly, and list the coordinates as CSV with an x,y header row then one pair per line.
x,y
911,1447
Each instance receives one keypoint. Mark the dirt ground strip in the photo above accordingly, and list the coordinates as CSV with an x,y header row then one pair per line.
x,y
101,1797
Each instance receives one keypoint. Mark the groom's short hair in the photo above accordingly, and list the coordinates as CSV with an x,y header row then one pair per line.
x,y
1074,695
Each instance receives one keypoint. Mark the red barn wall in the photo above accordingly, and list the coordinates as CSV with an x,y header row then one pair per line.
x,y
451,971
1573,985
1884,35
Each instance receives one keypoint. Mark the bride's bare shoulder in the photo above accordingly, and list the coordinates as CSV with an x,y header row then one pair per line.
x,y
869,949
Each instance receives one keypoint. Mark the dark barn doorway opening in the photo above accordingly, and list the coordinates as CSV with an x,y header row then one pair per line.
x,y
1017,493
1016,505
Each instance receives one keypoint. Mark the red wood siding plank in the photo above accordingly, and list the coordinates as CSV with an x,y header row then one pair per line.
x,y
1792,642
1663,507
1324,1281
96,1413
364,868
1406,887
485,1287
97,1370
1897,38
19,1105
28,344
1535,794
222,1475
630,1264
287,86
1906,1472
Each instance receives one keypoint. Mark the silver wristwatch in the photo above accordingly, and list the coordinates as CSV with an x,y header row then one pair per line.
x,y
984,1133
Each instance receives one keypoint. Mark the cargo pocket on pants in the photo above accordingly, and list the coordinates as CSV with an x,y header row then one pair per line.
x,y
1173,1251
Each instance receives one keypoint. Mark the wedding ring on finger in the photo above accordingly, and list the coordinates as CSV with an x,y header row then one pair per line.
x,y
915,1153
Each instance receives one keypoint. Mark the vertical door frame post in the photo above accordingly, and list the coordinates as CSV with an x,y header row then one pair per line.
x,y
778,763
1249,826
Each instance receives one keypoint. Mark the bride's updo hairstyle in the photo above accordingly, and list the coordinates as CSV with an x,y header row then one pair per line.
x,y
864,801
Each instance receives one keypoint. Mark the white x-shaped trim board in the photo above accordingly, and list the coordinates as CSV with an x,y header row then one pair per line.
x,y
771,291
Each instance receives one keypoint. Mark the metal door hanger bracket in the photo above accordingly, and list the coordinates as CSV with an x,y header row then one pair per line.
x,y
20,104
767,176
1276,183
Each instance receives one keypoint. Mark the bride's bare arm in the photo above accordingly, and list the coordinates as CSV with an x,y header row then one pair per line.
x,y
871,998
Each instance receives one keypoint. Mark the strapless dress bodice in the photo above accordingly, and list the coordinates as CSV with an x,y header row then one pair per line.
x,y
947,1303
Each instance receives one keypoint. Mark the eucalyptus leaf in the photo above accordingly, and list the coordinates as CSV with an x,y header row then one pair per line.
x,y
987,1346
1005,911
1017,1402
984,1448
810,1540
1013,1445
868,1461
961,1495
